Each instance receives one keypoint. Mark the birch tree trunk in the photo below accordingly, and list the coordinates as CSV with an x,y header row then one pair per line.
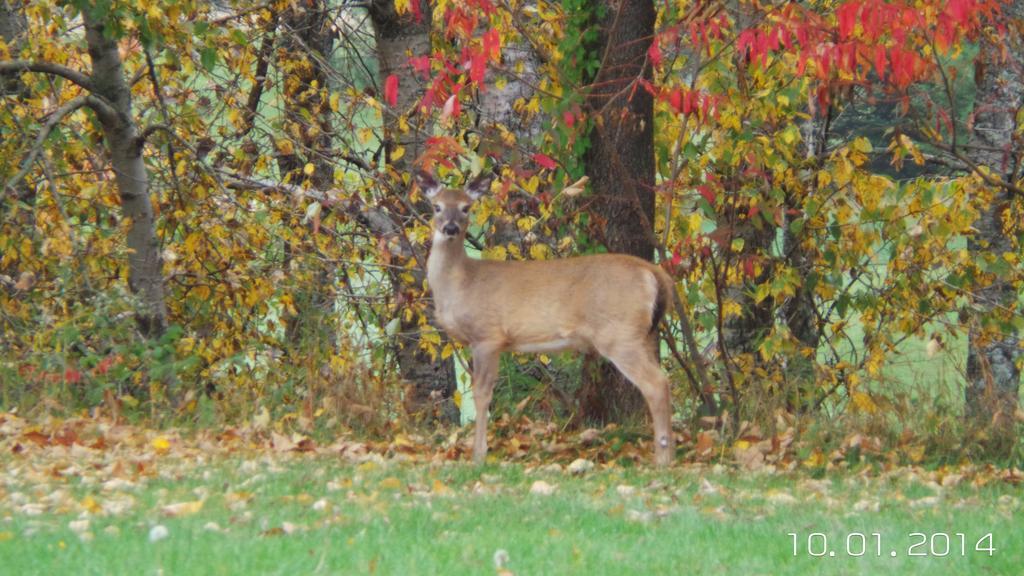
x,y
993,360
112,101
431,383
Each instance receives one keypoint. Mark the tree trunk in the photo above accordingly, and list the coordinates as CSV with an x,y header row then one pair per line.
x,y
431,383
620,163
993,371
307,42
13,25
520,72
112,102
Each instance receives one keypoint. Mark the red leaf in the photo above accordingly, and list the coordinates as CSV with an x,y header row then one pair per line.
x,y
745,42
420,64
675,98
880,61
492,44
959,10
545,161
688,103
707,193
847,16
477,68
391,90
654,52
416,12
72,376
568,118
748,266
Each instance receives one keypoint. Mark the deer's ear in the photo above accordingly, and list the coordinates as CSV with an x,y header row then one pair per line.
x,y
479,186
427,183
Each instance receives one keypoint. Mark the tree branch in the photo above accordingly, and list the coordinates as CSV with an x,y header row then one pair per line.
x,y
37,146
12,66
102,108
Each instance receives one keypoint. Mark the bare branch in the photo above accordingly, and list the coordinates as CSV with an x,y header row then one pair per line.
x,y
12,66
37,146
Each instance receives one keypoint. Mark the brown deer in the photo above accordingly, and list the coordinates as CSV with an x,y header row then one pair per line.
x,y
608,303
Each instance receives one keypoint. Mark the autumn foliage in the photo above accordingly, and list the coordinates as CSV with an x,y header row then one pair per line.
x,y
818,249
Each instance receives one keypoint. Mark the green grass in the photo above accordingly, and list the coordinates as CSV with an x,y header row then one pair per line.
x,y
317,515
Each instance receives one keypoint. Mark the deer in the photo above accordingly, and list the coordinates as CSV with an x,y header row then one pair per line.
x,y
610,304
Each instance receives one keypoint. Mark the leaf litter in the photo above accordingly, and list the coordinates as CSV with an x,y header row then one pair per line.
x,y
90,469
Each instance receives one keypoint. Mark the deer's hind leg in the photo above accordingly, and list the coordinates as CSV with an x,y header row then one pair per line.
x,y
638,362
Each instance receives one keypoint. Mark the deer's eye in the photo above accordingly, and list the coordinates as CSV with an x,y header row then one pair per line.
x,y
465,209
437,208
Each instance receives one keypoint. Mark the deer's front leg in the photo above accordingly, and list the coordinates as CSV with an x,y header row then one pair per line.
x,y
485,371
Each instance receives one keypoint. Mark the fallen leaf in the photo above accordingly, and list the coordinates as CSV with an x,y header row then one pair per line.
x,y
158,533
580,466
440,488
182,508
926,502
707,488
161,445
777,497
281,442
705,444
542,488
500,558
79,526
589,436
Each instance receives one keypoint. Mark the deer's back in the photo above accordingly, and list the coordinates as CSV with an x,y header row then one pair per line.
x,y
554,304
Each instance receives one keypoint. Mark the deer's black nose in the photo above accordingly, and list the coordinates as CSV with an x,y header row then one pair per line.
x,y
451,229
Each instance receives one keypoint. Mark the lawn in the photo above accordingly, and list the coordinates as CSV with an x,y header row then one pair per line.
x,y
105,499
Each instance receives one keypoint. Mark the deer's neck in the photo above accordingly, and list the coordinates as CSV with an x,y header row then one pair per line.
x,y
446,266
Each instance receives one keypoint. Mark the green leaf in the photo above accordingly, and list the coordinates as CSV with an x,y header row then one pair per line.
x,y
208,58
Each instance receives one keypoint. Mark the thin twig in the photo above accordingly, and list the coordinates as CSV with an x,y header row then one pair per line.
x,y
37,146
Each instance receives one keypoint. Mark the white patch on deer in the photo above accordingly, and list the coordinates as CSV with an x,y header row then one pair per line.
x,y
546,346
652,291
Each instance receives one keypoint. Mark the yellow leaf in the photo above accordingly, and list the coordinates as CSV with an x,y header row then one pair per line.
x,y
815,460
334,100
161,444
284,146
397,153
862,145
182,508
440,488
308,169
390,483
863,402
539,251
91,505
